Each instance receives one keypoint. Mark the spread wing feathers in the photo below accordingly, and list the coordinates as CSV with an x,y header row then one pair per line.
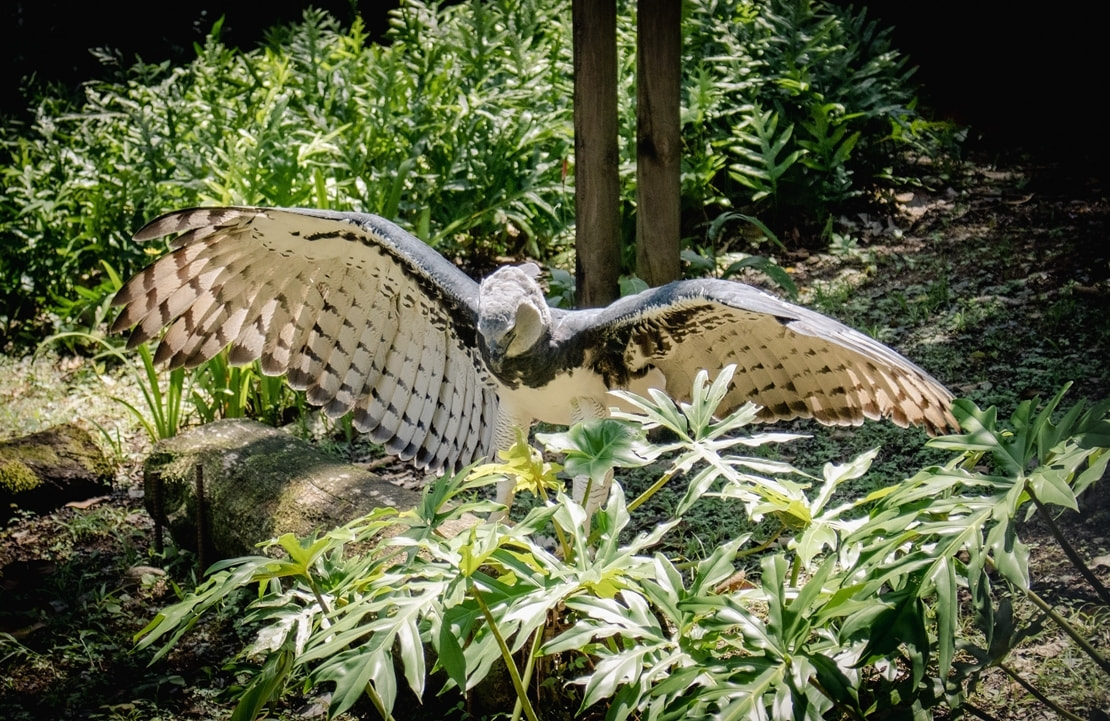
x,y
794,362
358,313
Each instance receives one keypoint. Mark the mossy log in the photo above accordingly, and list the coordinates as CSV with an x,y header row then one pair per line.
x,y
224,487
45,470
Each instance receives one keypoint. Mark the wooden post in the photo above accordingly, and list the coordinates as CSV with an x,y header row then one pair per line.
x,y
658,140
596,180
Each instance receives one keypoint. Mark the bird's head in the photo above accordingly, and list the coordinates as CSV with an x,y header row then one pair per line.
x,y
513,315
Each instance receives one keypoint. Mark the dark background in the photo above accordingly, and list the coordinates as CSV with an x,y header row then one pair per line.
x,y
1029,78
1024,81
49,40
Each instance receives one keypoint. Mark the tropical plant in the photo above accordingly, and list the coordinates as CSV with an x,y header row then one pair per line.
x,y
889,605
455,143
805,104
221,390
458,126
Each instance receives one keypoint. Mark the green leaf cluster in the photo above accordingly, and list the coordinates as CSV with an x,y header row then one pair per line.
x,y
889,606
458,125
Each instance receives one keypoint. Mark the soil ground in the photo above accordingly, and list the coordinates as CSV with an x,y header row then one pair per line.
x,y
997,281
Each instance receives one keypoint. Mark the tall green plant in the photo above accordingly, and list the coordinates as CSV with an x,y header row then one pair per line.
x,y
808,105
163,409
221,390
459,127
456,144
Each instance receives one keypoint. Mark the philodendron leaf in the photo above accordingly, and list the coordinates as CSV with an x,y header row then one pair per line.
x,y
981,433
592,448
1011,556
352,671
1051,486
451,656
303,552
901,624
264,687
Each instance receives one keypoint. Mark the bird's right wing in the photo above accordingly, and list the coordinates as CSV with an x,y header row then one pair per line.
x,y
359,313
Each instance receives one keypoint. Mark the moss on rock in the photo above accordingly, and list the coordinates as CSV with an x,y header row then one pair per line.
x,y
45,470
16,477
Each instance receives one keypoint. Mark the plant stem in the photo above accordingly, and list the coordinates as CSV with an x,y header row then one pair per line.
x,y
379,704
1062,623
1068,629
507,655
763,546
1038,695
325,622
1068,549
529,666
977,712
650,491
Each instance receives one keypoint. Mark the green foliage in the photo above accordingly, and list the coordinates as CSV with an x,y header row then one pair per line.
x,y
890,605
163,399
459,127
525,466
443,129
215,388
221,390
761,146
704,262
804,104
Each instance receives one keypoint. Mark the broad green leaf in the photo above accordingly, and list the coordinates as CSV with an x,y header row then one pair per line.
x,y
264,687
303,553
835,680
411,650
450,654
525,466
595,447
1010,555
612,672
1050,485
900,624
947,613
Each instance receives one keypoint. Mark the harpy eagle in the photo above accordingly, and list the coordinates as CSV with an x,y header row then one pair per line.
x,y
442,370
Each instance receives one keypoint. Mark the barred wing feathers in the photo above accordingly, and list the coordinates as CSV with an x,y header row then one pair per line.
x,y
792,361
357,312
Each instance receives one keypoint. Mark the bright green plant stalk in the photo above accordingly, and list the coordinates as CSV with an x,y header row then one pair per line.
x,y
529,668
1072,632
507,656
165,408
652,490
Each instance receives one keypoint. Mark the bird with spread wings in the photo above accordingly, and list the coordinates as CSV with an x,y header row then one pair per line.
x,y
443,370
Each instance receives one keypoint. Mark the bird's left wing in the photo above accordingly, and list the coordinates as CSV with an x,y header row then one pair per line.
x,y
793,362
358,312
